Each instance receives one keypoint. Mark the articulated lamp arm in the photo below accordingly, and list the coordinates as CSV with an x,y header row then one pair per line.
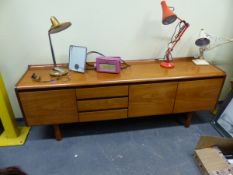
x,y
175,39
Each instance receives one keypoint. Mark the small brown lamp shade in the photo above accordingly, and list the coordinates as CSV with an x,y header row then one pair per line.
x,y
57,26
168,15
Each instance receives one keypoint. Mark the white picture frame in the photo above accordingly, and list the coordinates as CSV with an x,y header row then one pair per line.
x,y
77,58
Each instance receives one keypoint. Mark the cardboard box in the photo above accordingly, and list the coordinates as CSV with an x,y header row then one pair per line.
x,y
209,155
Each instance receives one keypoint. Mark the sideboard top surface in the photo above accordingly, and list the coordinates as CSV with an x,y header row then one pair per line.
x,y
141,71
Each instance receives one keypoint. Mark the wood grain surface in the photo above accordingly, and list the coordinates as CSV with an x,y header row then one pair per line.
x,y
49,107
151,99
102,115
142,89
100,104
197,95
102,92
139,72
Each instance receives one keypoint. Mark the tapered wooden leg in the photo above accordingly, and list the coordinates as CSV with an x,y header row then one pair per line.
x,y
57,132
188,120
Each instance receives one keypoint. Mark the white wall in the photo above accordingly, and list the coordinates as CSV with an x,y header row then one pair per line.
x,y
129,28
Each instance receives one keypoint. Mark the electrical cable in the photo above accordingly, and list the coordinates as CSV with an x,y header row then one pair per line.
x,y
92,66
125,64
91,52
37,78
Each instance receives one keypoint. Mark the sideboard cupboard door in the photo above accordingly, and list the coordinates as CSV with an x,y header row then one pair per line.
x,y
197,95
49,107
151,99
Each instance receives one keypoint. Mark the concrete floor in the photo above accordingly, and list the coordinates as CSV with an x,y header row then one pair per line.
x,y
146,146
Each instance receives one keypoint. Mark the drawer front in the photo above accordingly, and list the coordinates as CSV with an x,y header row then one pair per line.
x,y
197,95
103,115
151,99
100,104
102,92
49,107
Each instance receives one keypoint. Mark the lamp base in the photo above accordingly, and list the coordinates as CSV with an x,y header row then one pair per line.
x,y
200,62
58,72
167,64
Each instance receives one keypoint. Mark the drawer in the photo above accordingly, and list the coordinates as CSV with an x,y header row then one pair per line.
x,y
103,115
100,104
102,92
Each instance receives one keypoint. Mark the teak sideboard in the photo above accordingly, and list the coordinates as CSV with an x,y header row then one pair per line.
x,y
143,89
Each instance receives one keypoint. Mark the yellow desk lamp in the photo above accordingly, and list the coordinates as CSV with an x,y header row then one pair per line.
x,y
55,28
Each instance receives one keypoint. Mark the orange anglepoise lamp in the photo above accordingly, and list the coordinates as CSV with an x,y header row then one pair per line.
x,y
169,17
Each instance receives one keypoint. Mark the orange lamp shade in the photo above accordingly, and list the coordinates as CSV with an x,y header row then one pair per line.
x,y
168,15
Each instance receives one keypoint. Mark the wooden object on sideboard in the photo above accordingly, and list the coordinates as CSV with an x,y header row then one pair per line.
x,y
143,89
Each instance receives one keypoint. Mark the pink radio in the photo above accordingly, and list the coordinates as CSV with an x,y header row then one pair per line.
x,y
108,64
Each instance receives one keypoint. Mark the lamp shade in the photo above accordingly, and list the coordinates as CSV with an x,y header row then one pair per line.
x,y
57,26
168,15
202,40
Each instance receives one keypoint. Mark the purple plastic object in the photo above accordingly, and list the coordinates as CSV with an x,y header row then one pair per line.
x,y
108,64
